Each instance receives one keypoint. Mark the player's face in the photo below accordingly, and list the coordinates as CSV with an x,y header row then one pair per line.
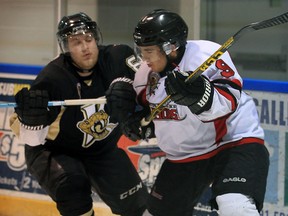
x,y
83,50
154,57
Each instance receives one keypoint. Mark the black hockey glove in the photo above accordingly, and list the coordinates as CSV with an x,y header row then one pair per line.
x,y
32,107
121,98
132,128
197,95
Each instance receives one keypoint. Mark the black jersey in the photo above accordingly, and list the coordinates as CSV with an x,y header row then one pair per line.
x,y
85,129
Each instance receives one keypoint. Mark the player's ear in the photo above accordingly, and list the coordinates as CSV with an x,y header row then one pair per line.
x,y
173,47
173,53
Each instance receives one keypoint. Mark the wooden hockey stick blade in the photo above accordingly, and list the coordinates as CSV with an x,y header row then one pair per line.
x,y
75,102
281,19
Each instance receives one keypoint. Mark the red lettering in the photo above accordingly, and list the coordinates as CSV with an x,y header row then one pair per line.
x,y
168,114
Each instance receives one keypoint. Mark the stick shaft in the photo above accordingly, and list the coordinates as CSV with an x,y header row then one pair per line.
x,y
101,100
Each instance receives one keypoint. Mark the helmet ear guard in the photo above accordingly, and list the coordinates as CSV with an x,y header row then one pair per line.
x,y
76,24
168,47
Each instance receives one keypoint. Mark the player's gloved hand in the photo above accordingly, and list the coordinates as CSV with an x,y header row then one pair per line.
x,y
121,98
132,128
197,95
32,107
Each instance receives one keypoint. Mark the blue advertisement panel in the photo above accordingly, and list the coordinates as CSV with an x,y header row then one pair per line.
x,y
13,174
273,112
272,106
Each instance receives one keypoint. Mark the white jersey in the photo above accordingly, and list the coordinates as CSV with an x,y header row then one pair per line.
x,y
232,119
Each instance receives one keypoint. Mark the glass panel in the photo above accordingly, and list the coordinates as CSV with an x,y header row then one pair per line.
x,y
261,54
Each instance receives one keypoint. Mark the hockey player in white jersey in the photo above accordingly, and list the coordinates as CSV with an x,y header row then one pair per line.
x,y
210,130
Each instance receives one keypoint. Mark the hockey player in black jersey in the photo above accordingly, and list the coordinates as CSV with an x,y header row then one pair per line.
x,y
72,149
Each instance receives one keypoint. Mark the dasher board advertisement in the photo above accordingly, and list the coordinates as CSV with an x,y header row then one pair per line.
x,y
270,98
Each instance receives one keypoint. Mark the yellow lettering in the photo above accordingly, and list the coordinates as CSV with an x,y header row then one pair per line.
x,y
211,60
18,87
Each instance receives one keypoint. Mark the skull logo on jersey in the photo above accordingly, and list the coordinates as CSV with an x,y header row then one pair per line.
x,y
95,125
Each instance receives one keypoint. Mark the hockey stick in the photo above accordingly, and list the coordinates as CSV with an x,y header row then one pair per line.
x,y
100,100
283,18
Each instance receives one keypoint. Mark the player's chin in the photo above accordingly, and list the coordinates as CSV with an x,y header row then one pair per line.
x,y
155,68
88,64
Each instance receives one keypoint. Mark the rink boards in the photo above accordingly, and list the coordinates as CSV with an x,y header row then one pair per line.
x,y
20,193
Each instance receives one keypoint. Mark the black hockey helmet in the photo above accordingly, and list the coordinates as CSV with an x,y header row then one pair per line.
x,y
161,26
79,23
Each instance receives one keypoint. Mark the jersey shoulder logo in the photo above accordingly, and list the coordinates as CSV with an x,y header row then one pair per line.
x,y
95,126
